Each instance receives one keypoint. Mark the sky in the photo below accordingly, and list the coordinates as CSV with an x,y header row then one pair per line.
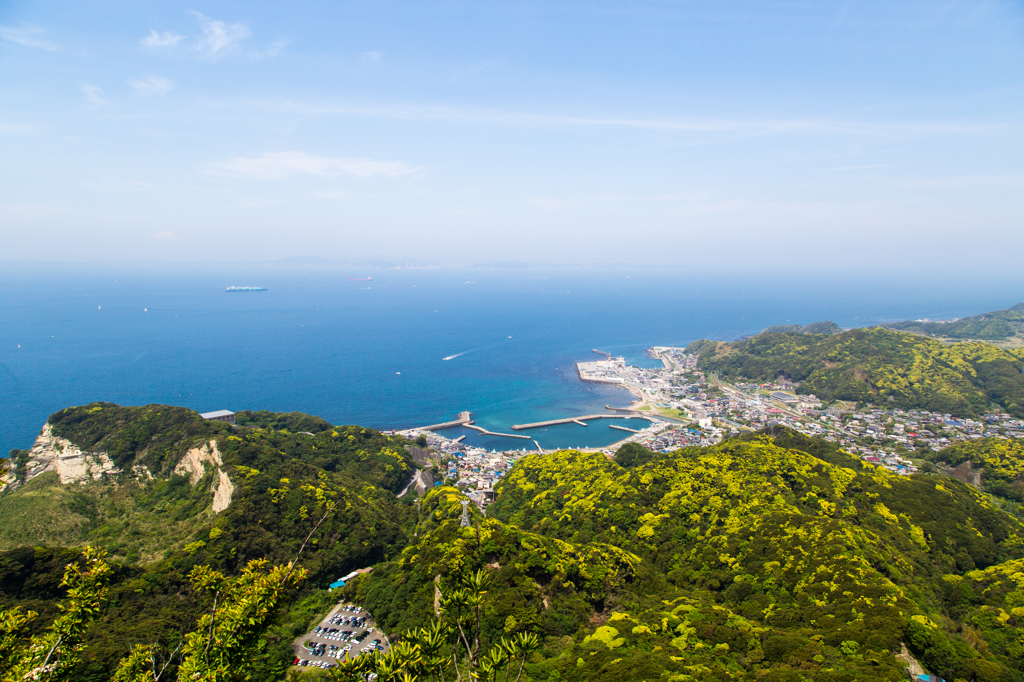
x,y
849,135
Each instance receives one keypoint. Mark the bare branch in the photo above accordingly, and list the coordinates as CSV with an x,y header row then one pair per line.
x,y
52,649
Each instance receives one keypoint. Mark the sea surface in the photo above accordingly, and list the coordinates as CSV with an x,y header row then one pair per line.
x,y
372,352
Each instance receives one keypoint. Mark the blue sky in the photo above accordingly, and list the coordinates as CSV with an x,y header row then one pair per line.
x,y
688,134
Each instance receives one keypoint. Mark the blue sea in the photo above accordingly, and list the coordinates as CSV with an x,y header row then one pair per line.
x,y
371,352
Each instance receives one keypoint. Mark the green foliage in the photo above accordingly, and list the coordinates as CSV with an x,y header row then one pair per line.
x,y
162,527
771,556
296,422
450,644
1001,463
53,654
154,436
633,454
999,324
527,571
819,556
140,520
227,640
877,366
813,328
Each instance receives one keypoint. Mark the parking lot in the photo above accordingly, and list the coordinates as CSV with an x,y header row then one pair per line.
x,y
346,632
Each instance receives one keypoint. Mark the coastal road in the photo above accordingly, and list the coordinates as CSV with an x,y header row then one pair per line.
x,y
412,482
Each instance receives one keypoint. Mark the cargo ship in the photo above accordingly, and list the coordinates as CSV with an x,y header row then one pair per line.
x,y
360,279
234,289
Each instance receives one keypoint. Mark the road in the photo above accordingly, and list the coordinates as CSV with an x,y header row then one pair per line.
x,y
412,482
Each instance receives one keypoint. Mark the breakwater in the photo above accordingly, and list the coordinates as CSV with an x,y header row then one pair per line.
x,y
567,420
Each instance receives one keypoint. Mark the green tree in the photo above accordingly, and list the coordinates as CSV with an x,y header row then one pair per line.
x,y
51,655
226,640
633,455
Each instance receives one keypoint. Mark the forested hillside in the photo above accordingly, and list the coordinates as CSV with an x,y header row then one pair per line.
x,y
157,529
878,366
773,556
761,558
996,326
996,463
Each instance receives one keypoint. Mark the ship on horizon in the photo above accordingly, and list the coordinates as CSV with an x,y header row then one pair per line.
x,y
233,289
360,279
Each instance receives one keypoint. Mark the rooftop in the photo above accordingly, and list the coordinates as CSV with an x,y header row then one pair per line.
x,y
216,413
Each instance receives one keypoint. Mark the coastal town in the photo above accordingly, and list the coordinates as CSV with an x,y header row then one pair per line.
x,y
682,406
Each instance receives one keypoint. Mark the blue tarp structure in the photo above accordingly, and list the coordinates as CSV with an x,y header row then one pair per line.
x,y
336,583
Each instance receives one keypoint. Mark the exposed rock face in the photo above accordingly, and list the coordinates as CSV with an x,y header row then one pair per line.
x,y
424,483
53,453
193,464
965,472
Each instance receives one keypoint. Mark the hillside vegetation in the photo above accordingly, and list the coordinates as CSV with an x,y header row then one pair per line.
x,y
772,556
999,462
878,366
158,529
761,558
996,326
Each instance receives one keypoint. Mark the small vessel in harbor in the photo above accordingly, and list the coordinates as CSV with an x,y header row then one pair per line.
x,y
232,290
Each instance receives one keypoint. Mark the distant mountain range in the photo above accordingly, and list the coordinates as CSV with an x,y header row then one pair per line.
x,y
995,326
998,325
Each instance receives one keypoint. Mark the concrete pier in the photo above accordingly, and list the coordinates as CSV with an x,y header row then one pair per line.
x,y
620,409
460,438
579,422
485,432
538,446
601,352
567,420
464,418
622,428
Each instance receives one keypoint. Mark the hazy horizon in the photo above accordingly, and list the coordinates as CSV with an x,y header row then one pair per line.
x,y
702,136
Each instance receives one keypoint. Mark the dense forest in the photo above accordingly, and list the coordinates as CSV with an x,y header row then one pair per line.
x,y
878,366
771,556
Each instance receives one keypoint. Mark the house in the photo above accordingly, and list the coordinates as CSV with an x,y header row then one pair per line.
x,y
219,416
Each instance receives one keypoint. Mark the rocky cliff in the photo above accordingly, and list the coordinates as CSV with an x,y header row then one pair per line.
x,y
72,464
194,464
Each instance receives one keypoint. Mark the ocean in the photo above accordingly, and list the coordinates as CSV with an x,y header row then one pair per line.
x,y
371,352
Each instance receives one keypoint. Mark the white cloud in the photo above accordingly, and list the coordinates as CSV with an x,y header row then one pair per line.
x,y
272,51
16,128
29,36
166,236
93,93
219,38
278,165
165,39
370,57
333,194
727,129
151,85
472,69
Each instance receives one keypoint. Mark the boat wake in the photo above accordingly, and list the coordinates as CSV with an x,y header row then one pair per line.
x,y
473,350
